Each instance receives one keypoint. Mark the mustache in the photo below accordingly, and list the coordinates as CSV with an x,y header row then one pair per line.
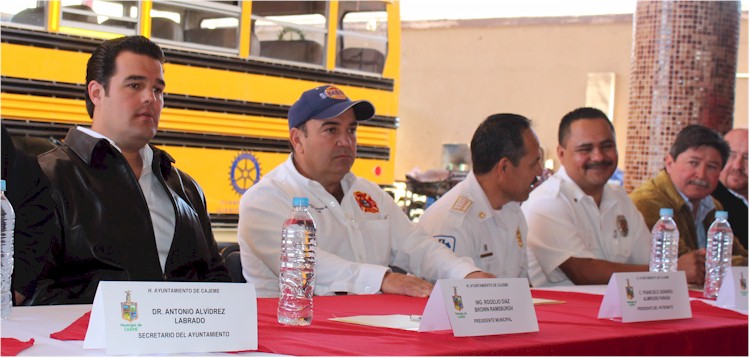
x,y
599,164
737,172
698,182
146,111
344,152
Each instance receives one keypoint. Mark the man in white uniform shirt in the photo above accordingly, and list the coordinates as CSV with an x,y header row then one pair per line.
x,y
581,229
360,229
481,217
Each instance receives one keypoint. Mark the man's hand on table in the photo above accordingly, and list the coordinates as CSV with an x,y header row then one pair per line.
x,y
694,265
480,274
400,284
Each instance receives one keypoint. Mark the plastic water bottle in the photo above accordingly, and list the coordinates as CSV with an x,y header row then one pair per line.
x,y
297,266
6,264
718,253
665,239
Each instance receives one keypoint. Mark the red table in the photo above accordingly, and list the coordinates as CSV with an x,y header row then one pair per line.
x,y
565,329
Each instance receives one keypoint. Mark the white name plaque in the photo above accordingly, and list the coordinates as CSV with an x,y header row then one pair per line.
x,y
646,296
733,290
480,307
131,317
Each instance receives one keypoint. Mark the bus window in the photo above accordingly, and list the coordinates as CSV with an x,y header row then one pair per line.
x,y
165,28
25,12
291,30
109,16
166,23
362,37
209,25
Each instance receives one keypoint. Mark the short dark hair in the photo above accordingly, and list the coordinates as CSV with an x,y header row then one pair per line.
x,y
580,113
303,128
101,64
498,136
694,136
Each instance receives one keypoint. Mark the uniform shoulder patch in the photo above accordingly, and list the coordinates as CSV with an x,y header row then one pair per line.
x,y
462,204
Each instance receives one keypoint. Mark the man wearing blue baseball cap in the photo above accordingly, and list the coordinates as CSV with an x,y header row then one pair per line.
x,y
360,229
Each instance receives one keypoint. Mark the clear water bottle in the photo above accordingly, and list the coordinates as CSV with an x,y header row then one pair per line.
x,y
718,253
6,264
297,266
665,238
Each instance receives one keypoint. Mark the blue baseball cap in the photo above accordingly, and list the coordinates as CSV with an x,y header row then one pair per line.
x,y
326,102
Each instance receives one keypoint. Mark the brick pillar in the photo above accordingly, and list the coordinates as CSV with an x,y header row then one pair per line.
x,y
683,71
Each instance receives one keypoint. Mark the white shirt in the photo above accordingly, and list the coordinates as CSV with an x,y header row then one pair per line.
x,y
465,222
744,199
564,222
704,207
159,205
356,240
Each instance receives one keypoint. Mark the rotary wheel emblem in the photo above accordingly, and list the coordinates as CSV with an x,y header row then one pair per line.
x,y
244,173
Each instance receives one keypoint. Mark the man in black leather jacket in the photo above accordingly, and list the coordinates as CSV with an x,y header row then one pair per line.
x,y
29,192
126,212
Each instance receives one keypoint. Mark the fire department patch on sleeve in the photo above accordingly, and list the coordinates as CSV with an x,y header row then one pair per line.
x,y
366,203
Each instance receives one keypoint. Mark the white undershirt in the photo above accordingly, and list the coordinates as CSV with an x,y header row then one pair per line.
x,y
738,195
159,205
704,206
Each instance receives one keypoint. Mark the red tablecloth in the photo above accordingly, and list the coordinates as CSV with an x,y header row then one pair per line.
x,y
564,329
567,329
12,346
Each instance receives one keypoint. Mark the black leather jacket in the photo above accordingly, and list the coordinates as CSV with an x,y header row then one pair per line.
x,y
107,233
29,193
737,212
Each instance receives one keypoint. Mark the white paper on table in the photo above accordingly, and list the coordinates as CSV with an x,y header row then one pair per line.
x,y
398,321
544,301
407,322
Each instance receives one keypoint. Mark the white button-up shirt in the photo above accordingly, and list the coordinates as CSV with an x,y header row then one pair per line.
x,y
159,204
465,222
704,207
356,240
564,222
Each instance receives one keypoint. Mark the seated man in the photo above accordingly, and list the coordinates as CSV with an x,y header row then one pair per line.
x,y
361,230
481,217
29,193
126,213
731,191
690,175
581,229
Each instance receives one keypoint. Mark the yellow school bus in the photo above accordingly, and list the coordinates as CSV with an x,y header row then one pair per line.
x,y
233,69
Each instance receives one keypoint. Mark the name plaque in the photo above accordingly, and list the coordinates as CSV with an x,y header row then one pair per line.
x,y
646,296
130,317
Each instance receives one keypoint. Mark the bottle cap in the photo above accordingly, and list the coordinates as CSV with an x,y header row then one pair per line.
x,y
300,201
2,185
666,212
721,214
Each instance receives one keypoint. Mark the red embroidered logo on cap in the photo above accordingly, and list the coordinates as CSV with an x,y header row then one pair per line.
x,y
335,93
366,203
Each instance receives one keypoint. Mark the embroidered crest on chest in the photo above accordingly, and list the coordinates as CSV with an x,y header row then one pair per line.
x,y
366,203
